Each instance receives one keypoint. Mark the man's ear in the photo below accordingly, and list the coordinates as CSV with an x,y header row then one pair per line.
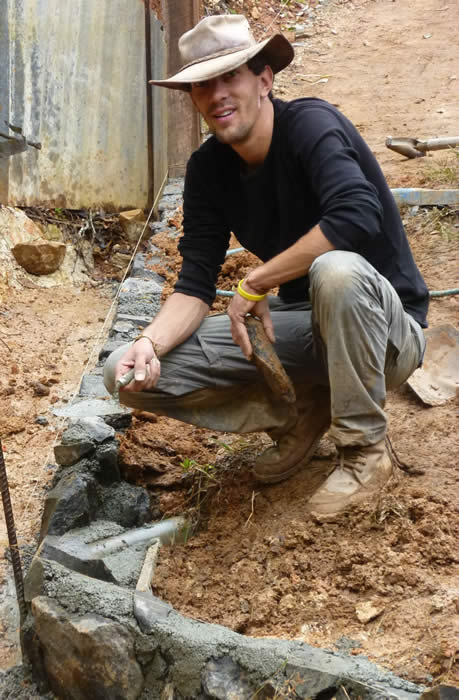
x,y
267,80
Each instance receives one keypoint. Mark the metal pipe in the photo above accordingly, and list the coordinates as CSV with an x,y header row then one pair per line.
x,y
167,531
445,292
232,251
12,539
416,148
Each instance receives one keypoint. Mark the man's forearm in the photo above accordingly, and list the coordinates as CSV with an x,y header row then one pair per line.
x,y
179,317
291,263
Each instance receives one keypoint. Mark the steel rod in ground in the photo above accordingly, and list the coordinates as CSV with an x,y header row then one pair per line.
x,y
12,539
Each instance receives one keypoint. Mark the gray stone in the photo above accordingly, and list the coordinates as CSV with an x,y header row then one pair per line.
x,y
81,593
66,455
41,420
91,428
107,457
140,297
141,268
125,566
73,554
86,656
313,681
33,580
71,503
223,679
109,347
125,504
111,411
160,227
81,439
148,609
93,385
170,203
135,319
122,328
174,188
84,552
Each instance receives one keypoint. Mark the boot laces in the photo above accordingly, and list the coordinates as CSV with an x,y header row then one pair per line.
x,y
351,460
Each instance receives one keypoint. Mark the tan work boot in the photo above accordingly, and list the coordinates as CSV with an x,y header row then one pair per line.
x,y
294,449
357,474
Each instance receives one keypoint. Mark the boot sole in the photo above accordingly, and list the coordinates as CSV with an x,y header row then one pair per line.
x,y
302,462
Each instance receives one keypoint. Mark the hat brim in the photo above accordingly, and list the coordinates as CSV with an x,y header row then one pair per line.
x,y
277,51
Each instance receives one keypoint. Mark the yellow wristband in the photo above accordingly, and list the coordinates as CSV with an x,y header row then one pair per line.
x,y
155,347
247,295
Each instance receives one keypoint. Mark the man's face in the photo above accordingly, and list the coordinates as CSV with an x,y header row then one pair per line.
x,y
231,103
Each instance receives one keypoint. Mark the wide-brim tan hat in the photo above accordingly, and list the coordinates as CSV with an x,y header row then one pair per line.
x,y
221,43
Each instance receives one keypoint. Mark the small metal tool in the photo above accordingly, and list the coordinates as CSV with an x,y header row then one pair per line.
x,y
122,382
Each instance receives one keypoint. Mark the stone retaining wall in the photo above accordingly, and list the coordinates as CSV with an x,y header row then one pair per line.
x,y
94,629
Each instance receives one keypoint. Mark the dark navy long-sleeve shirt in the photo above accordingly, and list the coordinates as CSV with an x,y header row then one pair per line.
x,y
318,170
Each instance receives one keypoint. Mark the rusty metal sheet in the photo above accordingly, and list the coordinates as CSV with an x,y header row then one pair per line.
x,y
76,79
160,103
4,93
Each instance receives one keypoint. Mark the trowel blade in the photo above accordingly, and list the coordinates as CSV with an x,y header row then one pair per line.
x,y
437,381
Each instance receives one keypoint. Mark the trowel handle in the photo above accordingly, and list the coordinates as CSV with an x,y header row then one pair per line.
x,y
125,379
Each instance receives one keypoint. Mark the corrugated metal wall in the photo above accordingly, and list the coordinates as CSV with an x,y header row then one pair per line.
x,y
73,76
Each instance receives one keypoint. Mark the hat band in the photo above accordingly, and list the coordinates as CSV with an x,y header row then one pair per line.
x,y
226,52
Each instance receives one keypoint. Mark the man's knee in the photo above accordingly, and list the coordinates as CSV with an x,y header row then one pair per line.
x,y
338,274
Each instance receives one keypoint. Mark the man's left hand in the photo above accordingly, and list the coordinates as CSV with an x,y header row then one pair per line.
x,y
237,311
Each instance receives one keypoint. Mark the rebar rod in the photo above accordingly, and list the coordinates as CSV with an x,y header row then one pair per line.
x,y
12,539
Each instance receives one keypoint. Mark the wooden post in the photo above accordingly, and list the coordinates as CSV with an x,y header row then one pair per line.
x,y
183,122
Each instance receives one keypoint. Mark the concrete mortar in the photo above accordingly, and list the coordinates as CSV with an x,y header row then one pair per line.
x,y
175,652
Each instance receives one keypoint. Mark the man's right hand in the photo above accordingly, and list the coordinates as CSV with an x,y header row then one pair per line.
x,y
147,368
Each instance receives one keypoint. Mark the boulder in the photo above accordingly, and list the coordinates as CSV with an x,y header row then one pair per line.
x,y
16,228
71,503
39,257
132,222
86,656
224,679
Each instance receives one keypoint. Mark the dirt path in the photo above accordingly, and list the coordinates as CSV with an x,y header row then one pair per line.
x,y
46,338
392,68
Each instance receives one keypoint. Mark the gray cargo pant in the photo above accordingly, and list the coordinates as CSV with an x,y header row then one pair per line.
x,y
353,337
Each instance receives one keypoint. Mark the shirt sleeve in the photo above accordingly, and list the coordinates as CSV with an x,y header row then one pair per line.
x,y
328,150
205,234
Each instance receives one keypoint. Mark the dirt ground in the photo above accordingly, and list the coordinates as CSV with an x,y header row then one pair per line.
x,y
256,563
46,338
